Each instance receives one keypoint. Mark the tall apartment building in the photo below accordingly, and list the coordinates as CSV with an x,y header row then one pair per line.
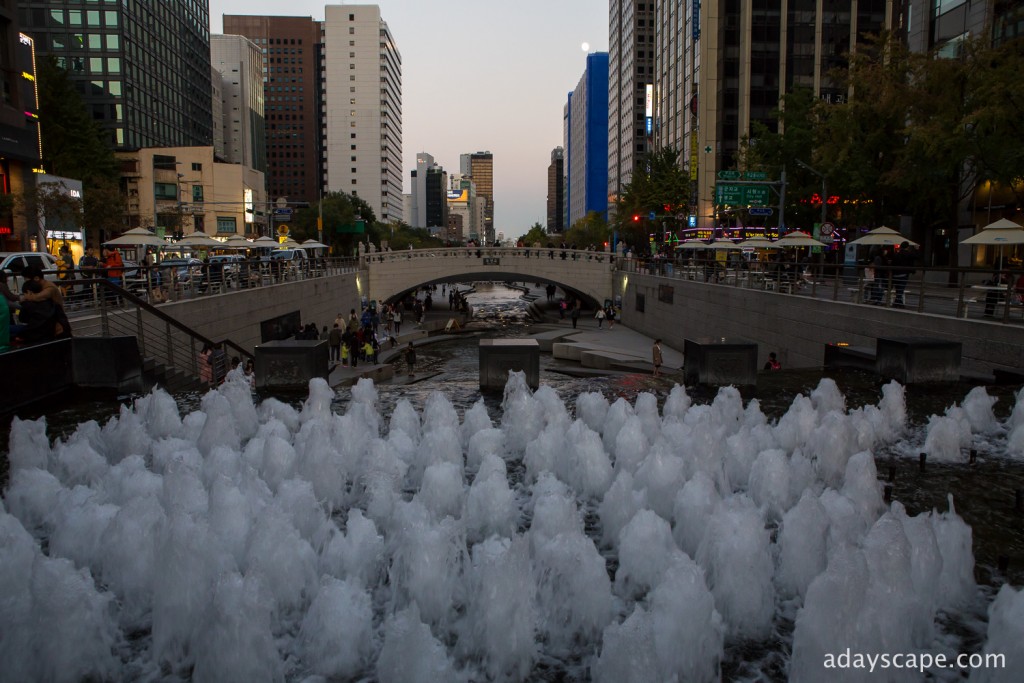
x,y
239,64
479,166
20,150
586,144
418,178
142,68
556,191
290,68
362,108
631,48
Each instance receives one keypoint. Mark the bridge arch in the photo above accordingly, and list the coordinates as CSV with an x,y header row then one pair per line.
x,y
587,274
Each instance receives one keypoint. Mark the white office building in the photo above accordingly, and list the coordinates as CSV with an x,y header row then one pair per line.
x,y
362,108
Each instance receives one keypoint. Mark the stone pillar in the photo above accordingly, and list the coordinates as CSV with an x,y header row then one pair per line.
x,y
720,361
499,356
915,360
291,363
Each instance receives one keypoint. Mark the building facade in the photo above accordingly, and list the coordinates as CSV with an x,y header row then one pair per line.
x,y
362,127
20,150
418,183
556,191
479,166
290,55
587,143
239,63
631,47
184,189
142,68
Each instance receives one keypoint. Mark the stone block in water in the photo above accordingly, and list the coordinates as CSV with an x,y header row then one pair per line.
x,y
916,360
291,363
499,356
720,361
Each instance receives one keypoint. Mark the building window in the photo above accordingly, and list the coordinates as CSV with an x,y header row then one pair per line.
x,y
165,191
226,224
197,167
197,194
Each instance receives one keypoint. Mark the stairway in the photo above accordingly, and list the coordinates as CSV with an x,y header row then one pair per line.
x,y
171,379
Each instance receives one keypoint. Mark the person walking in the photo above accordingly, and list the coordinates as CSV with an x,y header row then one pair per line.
x,y
904,261
773,362
396,318
410,359
611,316
575,314
600,315
656,357
334,341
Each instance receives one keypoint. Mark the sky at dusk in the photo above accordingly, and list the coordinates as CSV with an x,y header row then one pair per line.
x,y
479,75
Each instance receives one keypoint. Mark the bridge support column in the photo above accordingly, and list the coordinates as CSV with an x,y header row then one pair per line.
x,y
499,356
720,361
914,360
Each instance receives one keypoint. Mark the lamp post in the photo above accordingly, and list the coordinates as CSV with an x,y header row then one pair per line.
x,y
824,190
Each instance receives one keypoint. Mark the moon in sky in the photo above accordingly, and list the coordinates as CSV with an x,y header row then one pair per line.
x,y
585,47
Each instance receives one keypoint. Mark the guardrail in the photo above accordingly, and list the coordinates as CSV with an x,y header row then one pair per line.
x,y
550,253
161,283
953,292
160,337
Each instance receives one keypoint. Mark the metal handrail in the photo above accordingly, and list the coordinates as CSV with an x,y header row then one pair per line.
x,y
959,292
167,340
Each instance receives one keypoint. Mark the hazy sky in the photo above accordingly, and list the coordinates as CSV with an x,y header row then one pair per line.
x,y
479,75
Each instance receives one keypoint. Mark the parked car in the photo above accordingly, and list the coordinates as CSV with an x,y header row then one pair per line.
x,y
185,270
13,262
287,261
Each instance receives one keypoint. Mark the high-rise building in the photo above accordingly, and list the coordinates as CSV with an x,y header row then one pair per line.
x,y
480,167
20,150
429,193
363,108
418,177
738,62
587,142
290,69
631,47
142,68
556,191
239,63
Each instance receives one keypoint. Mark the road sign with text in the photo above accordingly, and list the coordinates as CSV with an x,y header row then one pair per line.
x,y
729,193
728,175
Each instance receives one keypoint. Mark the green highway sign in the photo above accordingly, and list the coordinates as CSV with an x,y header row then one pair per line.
x,y
728,193
758,195
728,175
755,175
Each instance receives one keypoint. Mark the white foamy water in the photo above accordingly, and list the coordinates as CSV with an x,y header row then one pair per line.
x,y
248,542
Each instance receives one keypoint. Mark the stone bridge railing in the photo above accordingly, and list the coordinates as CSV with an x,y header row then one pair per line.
x,y
587,273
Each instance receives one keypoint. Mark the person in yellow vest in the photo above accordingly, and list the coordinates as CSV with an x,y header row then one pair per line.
x,y
368,353
344,355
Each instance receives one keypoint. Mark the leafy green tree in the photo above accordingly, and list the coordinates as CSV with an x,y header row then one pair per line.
x,y
659,184
592,229
536,235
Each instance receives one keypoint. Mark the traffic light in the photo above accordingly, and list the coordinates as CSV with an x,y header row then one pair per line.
x,y
636,218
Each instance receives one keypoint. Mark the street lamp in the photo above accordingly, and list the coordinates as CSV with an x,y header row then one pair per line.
x,y
824,191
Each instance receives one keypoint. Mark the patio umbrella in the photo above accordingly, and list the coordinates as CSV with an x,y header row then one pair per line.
x,y
235,242
759,243
313,244
264,242
692,244
199,239
723,243
798,238
138,237
882,236
1000,233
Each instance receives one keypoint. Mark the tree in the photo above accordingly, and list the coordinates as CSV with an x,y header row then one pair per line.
x,y
536,235
659,185
592,229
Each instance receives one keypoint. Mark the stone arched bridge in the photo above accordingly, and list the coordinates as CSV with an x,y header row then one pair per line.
x,y
389,275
